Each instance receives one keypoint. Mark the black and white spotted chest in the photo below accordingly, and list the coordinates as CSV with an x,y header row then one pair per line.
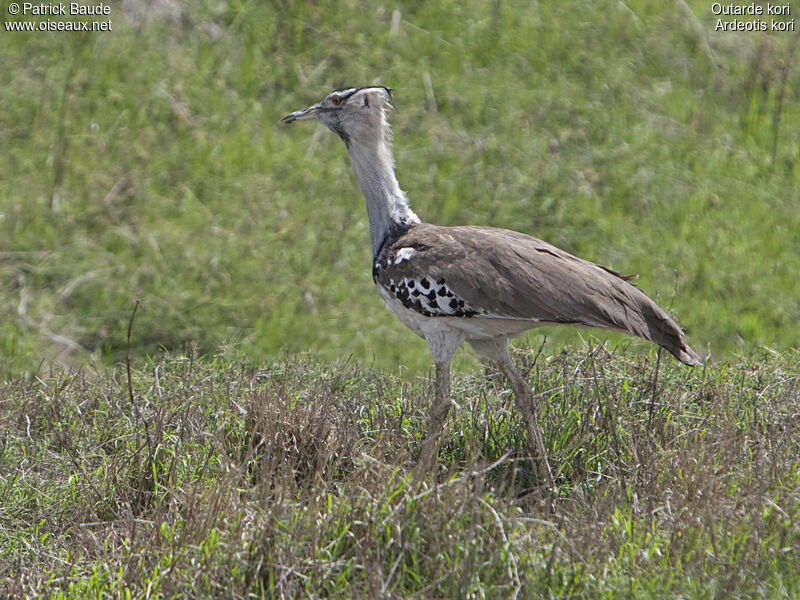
x,y
427,295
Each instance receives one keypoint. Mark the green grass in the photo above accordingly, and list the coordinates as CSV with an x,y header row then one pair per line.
x,y
148,163
214,478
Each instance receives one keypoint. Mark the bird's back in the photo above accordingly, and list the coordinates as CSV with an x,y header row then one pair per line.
x,y
506,276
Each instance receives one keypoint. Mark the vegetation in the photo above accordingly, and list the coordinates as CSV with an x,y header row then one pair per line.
x,y
215,479
148,163
204,456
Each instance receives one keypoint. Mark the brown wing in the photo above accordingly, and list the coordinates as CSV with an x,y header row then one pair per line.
x,y
503,274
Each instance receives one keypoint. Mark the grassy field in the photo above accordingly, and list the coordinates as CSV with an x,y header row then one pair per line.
x,y
148,163
262,445
211,478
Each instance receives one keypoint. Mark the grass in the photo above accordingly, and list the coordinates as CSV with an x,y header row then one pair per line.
x,y
215,478
243,456
151,166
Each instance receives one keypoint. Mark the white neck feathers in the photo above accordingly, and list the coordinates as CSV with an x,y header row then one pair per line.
x,y
387,206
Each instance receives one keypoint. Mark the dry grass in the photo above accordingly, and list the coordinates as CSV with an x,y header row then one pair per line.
x,y
222,480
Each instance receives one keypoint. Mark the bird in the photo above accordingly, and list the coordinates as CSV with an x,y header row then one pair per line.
x,y
475,284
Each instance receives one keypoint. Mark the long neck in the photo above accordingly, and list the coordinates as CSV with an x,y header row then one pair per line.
x,y
387,205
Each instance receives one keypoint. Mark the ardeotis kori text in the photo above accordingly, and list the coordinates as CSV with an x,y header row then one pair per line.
x,y
480,285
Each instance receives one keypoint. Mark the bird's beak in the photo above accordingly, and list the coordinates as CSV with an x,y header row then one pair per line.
x,y
306,114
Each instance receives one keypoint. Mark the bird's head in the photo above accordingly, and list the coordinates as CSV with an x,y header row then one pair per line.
x,y
351,113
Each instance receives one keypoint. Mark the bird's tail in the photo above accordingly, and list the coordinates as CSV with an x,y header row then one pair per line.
x,y
657,326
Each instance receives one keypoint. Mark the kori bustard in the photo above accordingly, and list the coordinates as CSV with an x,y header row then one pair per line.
x,y
479,285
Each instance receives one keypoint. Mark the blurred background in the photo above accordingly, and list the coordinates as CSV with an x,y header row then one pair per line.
x,y
147,163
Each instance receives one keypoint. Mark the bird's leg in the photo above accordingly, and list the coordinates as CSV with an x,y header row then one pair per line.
x,y
496,350
523,397
439,410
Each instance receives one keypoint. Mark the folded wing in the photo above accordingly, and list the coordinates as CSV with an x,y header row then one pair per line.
x,y
502,274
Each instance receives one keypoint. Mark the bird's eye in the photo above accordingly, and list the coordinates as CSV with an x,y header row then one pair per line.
x,y
337,100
